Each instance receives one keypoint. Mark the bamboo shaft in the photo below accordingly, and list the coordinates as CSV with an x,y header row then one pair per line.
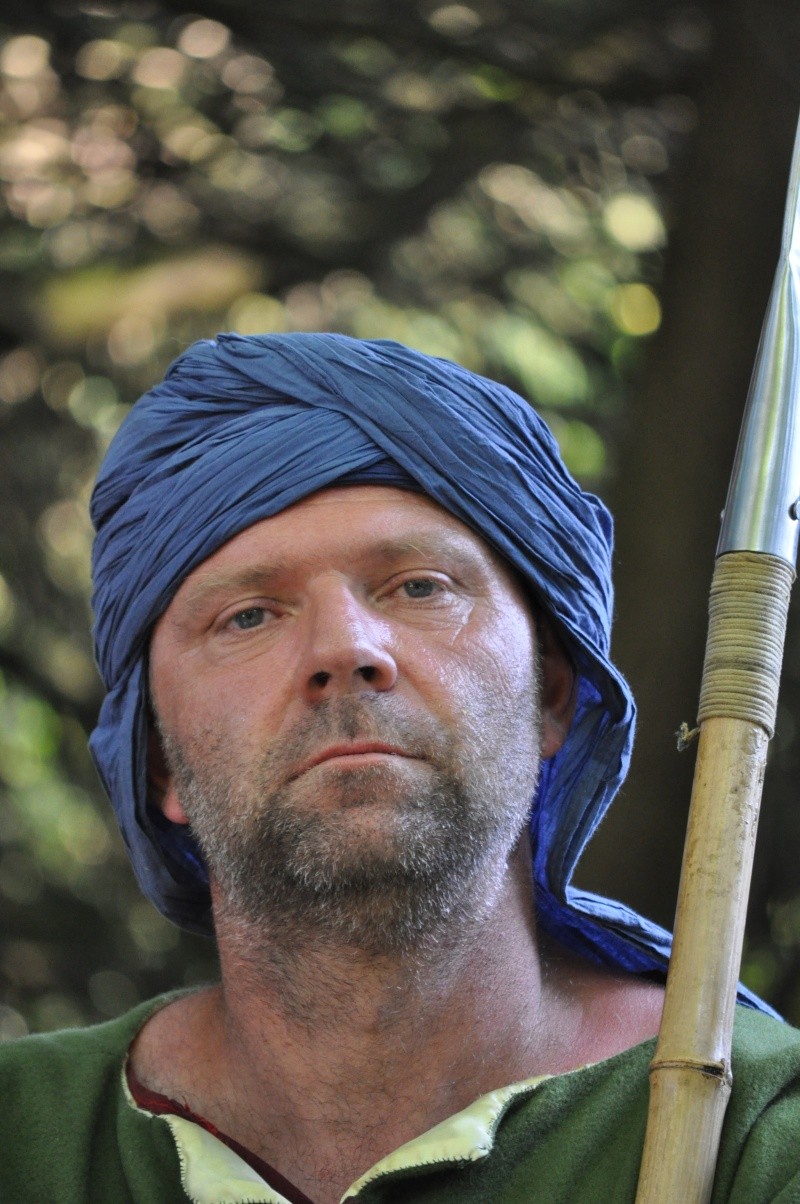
x,y
690,1075
687,1112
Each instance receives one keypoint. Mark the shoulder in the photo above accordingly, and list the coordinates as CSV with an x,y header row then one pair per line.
x,y
65,1078
66,1130
578,1136
765,1062
759,1156
61,1063
757,1035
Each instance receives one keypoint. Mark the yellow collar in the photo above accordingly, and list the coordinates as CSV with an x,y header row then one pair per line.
x,y
211,1173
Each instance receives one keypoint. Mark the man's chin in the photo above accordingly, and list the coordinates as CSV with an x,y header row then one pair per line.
x,y
391,860
375,831
387,784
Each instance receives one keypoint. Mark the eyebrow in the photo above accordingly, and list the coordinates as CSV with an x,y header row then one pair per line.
x,y
253,577
454,546
260,576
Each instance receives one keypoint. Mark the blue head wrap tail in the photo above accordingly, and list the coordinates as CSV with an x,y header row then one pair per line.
x,y
243,427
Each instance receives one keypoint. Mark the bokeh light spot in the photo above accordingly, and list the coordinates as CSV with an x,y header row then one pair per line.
x,y
112,992
636,309
257,313
19,376
204,38
12,1024
634,222
582,448
160,67
102,59
454,20
24,57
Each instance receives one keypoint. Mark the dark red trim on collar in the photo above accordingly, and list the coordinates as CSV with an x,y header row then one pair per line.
x,y
154,1101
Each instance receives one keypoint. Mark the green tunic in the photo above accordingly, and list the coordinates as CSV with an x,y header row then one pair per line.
x,y
70,1133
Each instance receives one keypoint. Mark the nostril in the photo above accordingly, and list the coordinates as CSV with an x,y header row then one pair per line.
x,y
321,679
368,672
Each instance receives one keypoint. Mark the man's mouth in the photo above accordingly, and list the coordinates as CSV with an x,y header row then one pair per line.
x,y
356,751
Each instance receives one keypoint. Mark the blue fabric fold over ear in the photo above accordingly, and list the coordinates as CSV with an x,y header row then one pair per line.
x,y
242,427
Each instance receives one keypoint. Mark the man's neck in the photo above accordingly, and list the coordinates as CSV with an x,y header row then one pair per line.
x,y
325,1060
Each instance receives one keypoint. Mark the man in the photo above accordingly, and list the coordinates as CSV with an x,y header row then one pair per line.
x,y
353,618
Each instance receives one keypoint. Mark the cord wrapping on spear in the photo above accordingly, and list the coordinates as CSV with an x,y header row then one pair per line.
x,y
747,621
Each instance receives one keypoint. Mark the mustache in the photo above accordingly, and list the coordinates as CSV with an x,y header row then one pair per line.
x,y
378,718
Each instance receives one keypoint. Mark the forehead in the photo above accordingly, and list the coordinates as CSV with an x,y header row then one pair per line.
x,y
348,522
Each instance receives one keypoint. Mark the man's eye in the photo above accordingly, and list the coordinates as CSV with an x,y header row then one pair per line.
x,y
246,620
421,587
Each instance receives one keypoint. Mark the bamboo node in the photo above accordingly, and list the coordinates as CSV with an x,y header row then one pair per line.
x,y
713,1070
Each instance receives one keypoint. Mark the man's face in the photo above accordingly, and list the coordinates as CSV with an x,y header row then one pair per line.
x,y
349,702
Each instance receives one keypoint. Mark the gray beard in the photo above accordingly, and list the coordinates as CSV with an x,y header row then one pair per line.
x,y
387,858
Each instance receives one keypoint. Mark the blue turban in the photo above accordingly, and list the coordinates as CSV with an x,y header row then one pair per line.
x,y
243,427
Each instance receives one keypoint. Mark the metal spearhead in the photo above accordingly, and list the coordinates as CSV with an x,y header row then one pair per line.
x,y
762,511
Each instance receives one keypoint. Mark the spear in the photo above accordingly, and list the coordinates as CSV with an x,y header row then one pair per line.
x,y
691,1075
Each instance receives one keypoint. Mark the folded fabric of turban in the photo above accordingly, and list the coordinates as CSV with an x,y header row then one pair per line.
x,y
244,426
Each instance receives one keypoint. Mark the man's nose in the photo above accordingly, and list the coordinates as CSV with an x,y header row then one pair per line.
x,y
347,647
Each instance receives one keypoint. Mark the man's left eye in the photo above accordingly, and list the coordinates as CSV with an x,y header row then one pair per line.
x,y
421,587
246,620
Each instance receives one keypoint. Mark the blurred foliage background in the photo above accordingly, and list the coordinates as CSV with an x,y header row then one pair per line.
x,y
582,199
